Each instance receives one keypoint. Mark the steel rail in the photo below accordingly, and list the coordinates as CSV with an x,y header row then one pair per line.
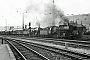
x,y
21,55
76,56
40,55
68,51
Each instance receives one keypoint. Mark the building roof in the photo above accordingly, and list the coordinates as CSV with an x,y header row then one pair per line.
x,y
85,18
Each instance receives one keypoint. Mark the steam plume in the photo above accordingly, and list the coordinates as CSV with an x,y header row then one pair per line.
x,y
52,13
49,14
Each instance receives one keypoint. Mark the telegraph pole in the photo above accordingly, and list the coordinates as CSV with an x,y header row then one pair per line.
x,y
53,23
23,22
6,24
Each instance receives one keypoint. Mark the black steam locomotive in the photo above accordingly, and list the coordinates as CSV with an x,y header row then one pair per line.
x,y
62,31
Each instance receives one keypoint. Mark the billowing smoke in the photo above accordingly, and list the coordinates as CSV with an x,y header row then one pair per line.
x,y
38,23
51,14
33,11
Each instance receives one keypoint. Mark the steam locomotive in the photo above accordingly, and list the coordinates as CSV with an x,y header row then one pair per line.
x,y
62,31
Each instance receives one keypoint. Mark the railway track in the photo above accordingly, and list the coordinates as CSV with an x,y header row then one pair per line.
x,y
63,42
54,53
53,39
26,53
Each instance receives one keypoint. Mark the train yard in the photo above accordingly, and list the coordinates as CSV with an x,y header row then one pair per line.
x,y
44,30
45,51
84,44
25,52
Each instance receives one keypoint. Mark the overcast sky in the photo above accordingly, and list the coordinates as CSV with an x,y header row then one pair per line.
x,y
11,11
